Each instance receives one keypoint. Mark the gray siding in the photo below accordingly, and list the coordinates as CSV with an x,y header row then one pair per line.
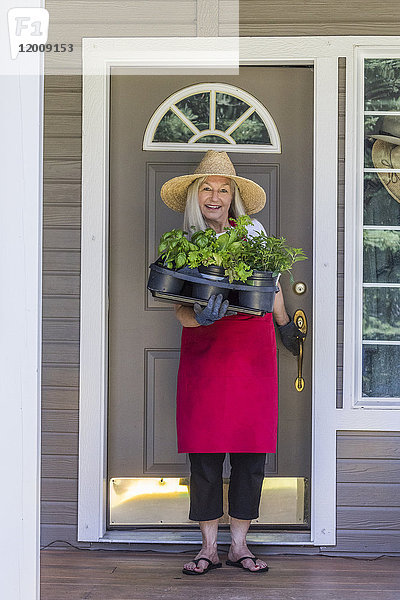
x,y
368,492
61,284
340,227
61,239
318,17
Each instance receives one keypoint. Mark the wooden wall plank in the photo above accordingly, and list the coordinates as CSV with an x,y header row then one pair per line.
x,y
61,307
59,397
62,147
381,27
58,330
57,260
60,421
377,446
366,518
314,11
63,101
60,443
366,541
364,471
62,83
60,466
59,513
61,192
57,375
137,12
62,125
59,489
61,284
368,494
61,352
68,170
55,215
57,238
118,28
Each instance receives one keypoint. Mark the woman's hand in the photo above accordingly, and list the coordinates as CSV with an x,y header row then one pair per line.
x,y
187,315
289,332
215,310
290,336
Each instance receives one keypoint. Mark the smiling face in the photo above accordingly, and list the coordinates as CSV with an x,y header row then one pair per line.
x,y
215,197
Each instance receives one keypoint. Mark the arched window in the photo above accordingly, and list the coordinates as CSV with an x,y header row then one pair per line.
x,y
204,115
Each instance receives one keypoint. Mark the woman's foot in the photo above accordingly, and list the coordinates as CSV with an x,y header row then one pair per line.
x,y
236,552
211,554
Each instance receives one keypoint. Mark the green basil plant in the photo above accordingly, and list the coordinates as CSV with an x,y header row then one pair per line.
x,y
269,253
234,250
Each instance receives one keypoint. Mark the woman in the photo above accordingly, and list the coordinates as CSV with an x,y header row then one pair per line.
x,y
227,396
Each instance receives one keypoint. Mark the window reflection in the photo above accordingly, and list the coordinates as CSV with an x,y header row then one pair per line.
x,y
382,83
381,365
381,314
380,208
381,256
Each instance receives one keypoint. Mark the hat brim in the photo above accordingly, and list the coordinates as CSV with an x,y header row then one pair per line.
x,y
174,192
387,138
380,159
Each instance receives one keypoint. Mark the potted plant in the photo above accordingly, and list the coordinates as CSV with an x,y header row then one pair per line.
x,y
268,257
218,258
173,249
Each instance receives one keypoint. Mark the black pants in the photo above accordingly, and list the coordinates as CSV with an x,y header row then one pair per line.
x,y
247,474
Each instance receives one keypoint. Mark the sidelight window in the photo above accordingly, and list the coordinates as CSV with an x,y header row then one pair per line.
x,y
379,366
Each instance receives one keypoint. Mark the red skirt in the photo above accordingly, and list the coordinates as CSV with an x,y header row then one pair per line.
x,y
227,396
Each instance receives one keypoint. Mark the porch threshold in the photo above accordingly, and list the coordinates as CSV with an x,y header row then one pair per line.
x,y
157,536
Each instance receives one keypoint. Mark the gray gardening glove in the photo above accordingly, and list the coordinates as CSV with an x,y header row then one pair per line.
x,y
215,309
290,335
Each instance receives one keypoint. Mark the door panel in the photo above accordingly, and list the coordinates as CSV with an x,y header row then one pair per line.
x,y
144,336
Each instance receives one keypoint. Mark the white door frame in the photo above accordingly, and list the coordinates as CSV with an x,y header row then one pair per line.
x,y
21,150
99,55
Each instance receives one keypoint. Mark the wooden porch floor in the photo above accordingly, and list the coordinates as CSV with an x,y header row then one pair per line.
x,y
123,575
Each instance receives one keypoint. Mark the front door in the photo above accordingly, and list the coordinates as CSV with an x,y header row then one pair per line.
x,y
147,478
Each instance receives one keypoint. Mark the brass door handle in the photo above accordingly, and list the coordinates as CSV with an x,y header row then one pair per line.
x,y
300,320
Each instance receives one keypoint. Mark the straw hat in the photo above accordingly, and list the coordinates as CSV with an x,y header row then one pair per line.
x,y
390,130
387,156
174,191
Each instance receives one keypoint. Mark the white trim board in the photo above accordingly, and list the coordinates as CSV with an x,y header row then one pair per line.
x,y
21,104
99,55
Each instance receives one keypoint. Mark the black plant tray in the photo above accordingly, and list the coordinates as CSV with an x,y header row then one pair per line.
x,y
166,289
189,300
193,276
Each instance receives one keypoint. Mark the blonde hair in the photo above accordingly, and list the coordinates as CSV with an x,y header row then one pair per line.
x,y
193,216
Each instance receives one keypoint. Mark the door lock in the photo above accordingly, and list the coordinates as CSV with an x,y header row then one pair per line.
x,y
299,319
299,288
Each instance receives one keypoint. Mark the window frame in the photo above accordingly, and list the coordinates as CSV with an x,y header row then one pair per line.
x,y
259,108
362,53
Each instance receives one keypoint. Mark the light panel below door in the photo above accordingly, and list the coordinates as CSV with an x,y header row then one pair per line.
x,y
165,501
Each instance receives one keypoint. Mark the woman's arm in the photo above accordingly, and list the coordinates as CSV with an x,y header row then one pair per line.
x,y
279,311
185,315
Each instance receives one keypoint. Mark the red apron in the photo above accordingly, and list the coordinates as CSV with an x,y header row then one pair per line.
x,y
227,396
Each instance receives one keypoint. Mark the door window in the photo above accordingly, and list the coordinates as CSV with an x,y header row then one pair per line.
x,y
204,115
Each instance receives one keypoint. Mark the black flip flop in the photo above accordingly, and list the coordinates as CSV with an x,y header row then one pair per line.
x,y
211,566
238,563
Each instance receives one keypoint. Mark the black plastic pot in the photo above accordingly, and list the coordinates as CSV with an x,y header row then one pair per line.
x,y
162,280
213,273
259,299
